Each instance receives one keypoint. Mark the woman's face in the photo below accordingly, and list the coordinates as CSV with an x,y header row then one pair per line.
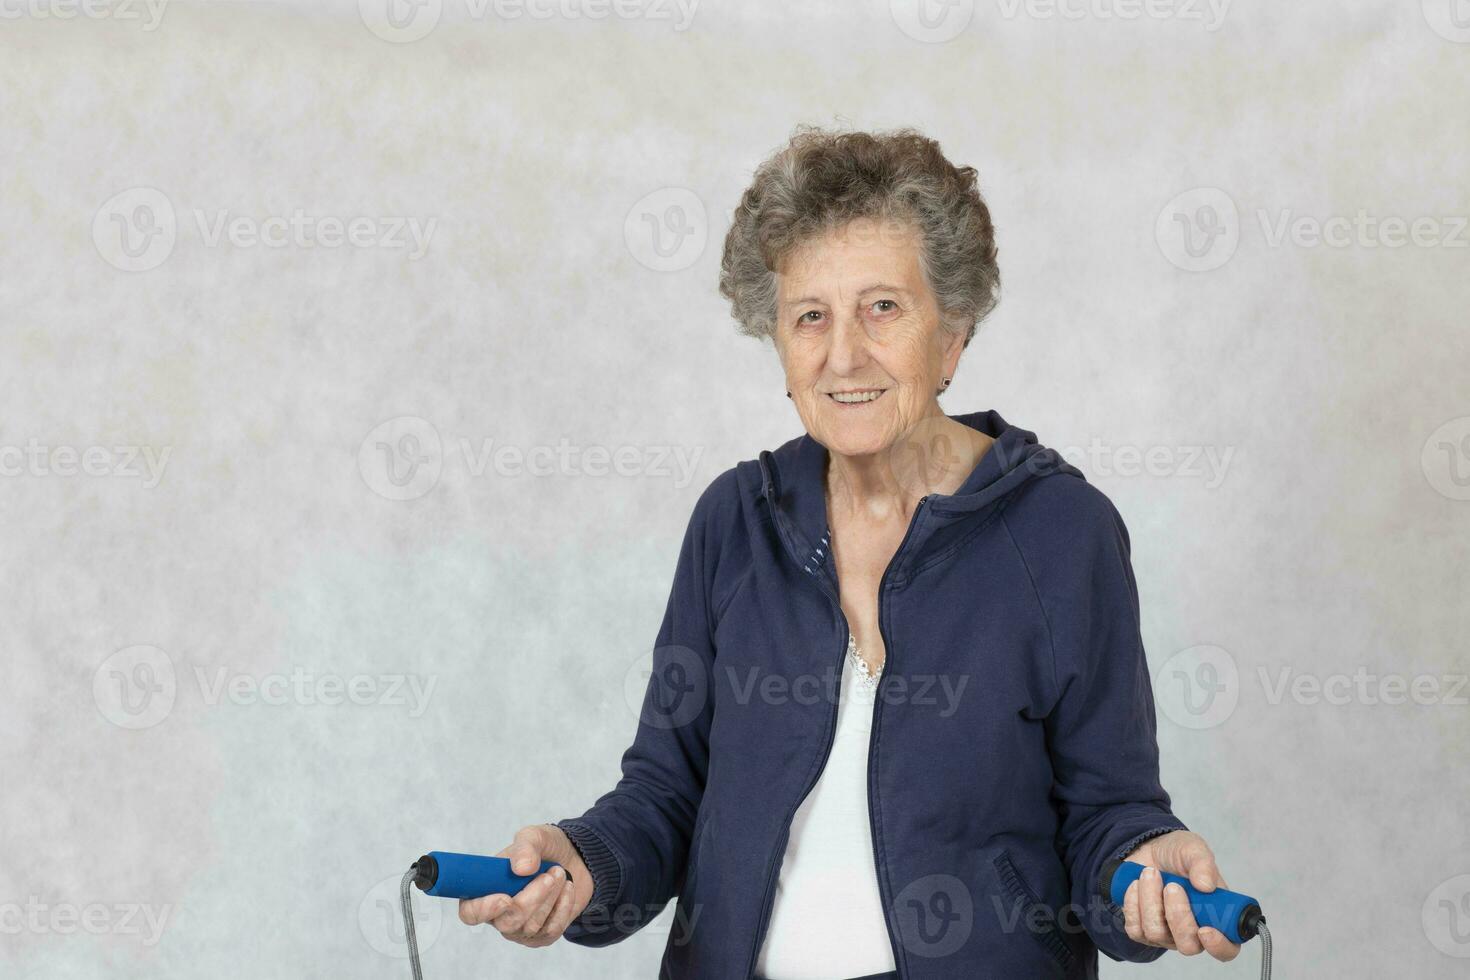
x,y
858,333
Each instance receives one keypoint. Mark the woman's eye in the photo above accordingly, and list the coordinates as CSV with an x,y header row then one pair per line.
x,y
884,306
810,316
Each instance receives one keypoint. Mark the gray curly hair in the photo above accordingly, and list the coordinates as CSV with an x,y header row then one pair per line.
x,y
824,179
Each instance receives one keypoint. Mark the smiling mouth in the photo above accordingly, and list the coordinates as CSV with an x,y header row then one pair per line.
x,y
856,398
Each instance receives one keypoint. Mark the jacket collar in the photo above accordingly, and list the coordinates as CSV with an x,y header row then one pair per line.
x,y
794,483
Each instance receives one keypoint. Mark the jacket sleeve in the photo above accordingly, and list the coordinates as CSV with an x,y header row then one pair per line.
x,y
1101,729
635,838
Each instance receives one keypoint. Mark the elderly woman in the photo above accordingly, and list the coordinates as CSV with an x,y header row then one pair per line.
x,y
899,716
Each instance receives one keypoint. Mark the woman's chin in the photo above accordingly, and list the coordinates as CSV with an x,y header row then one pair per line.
x,y
850,437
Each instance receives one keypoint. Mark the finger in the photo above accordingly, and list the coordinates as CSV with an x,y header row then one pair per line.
x,y
525,851
512,922
511,916
543,908
1199,861
1217,945
478,911
1151,909
1180,917
1130,913
560,918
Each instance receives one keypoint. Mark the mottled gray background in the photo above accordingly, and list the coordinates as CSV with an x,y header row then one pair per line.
x,y
244,479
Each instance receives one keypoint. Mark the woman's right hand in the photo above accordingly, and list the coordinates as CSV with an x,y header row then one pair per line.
x,y
541,911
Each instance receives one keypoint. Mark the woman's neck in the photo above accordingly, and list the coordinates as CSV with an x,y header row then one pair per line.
x,y
935,455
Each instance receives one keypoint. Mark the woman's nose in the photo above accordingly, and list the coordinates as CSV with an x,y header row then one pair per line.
x,y
849,345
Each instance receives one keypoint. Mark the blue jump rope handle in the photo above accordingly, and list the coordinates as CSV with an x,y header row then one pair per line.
x,y
448,875
1234,914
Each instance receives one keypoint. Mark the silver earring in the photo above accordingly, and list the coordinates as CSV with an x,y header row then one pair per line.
x,y
788,393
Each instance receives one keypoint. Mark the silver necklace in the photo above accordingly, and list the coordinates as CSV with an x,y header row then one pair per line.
x,y
867,678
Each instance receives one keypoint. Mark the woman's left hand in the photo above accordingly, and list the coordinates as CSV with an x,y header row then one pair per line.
x,y
1160,916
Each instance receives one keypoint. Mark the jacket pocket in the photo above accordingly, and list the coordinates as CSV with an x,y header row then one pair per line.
x,y
1035,916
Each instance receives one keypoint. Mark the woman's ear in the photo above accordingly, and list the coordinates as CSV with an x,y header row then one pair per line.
x,y
952,346
781,362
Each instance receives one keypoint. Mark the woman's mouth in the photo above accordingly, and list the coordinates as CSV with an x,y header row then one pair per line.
x,y
855,399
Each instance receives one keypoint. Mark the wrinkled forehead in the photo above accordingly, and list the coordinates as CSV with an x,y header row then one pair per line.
x,y
849,257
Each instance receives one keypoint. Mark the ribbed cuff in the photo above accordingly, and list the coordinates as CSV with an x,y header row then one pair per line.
x,y
1132,845
602,863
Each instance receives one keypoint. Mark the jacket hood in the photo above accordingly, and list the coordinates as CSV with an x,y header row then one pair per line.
x,y
794,484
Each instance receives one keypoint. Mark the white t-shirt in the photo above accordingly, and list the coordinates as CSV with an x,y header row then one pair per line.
x,y
827,919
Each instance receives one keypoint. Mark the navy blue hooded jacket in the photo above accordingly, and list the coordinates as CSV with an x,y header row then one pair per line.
x,y
1013,745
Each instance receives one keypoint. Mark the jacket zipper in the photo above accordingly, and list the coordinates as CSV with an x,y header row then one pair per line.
x,y
767,900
